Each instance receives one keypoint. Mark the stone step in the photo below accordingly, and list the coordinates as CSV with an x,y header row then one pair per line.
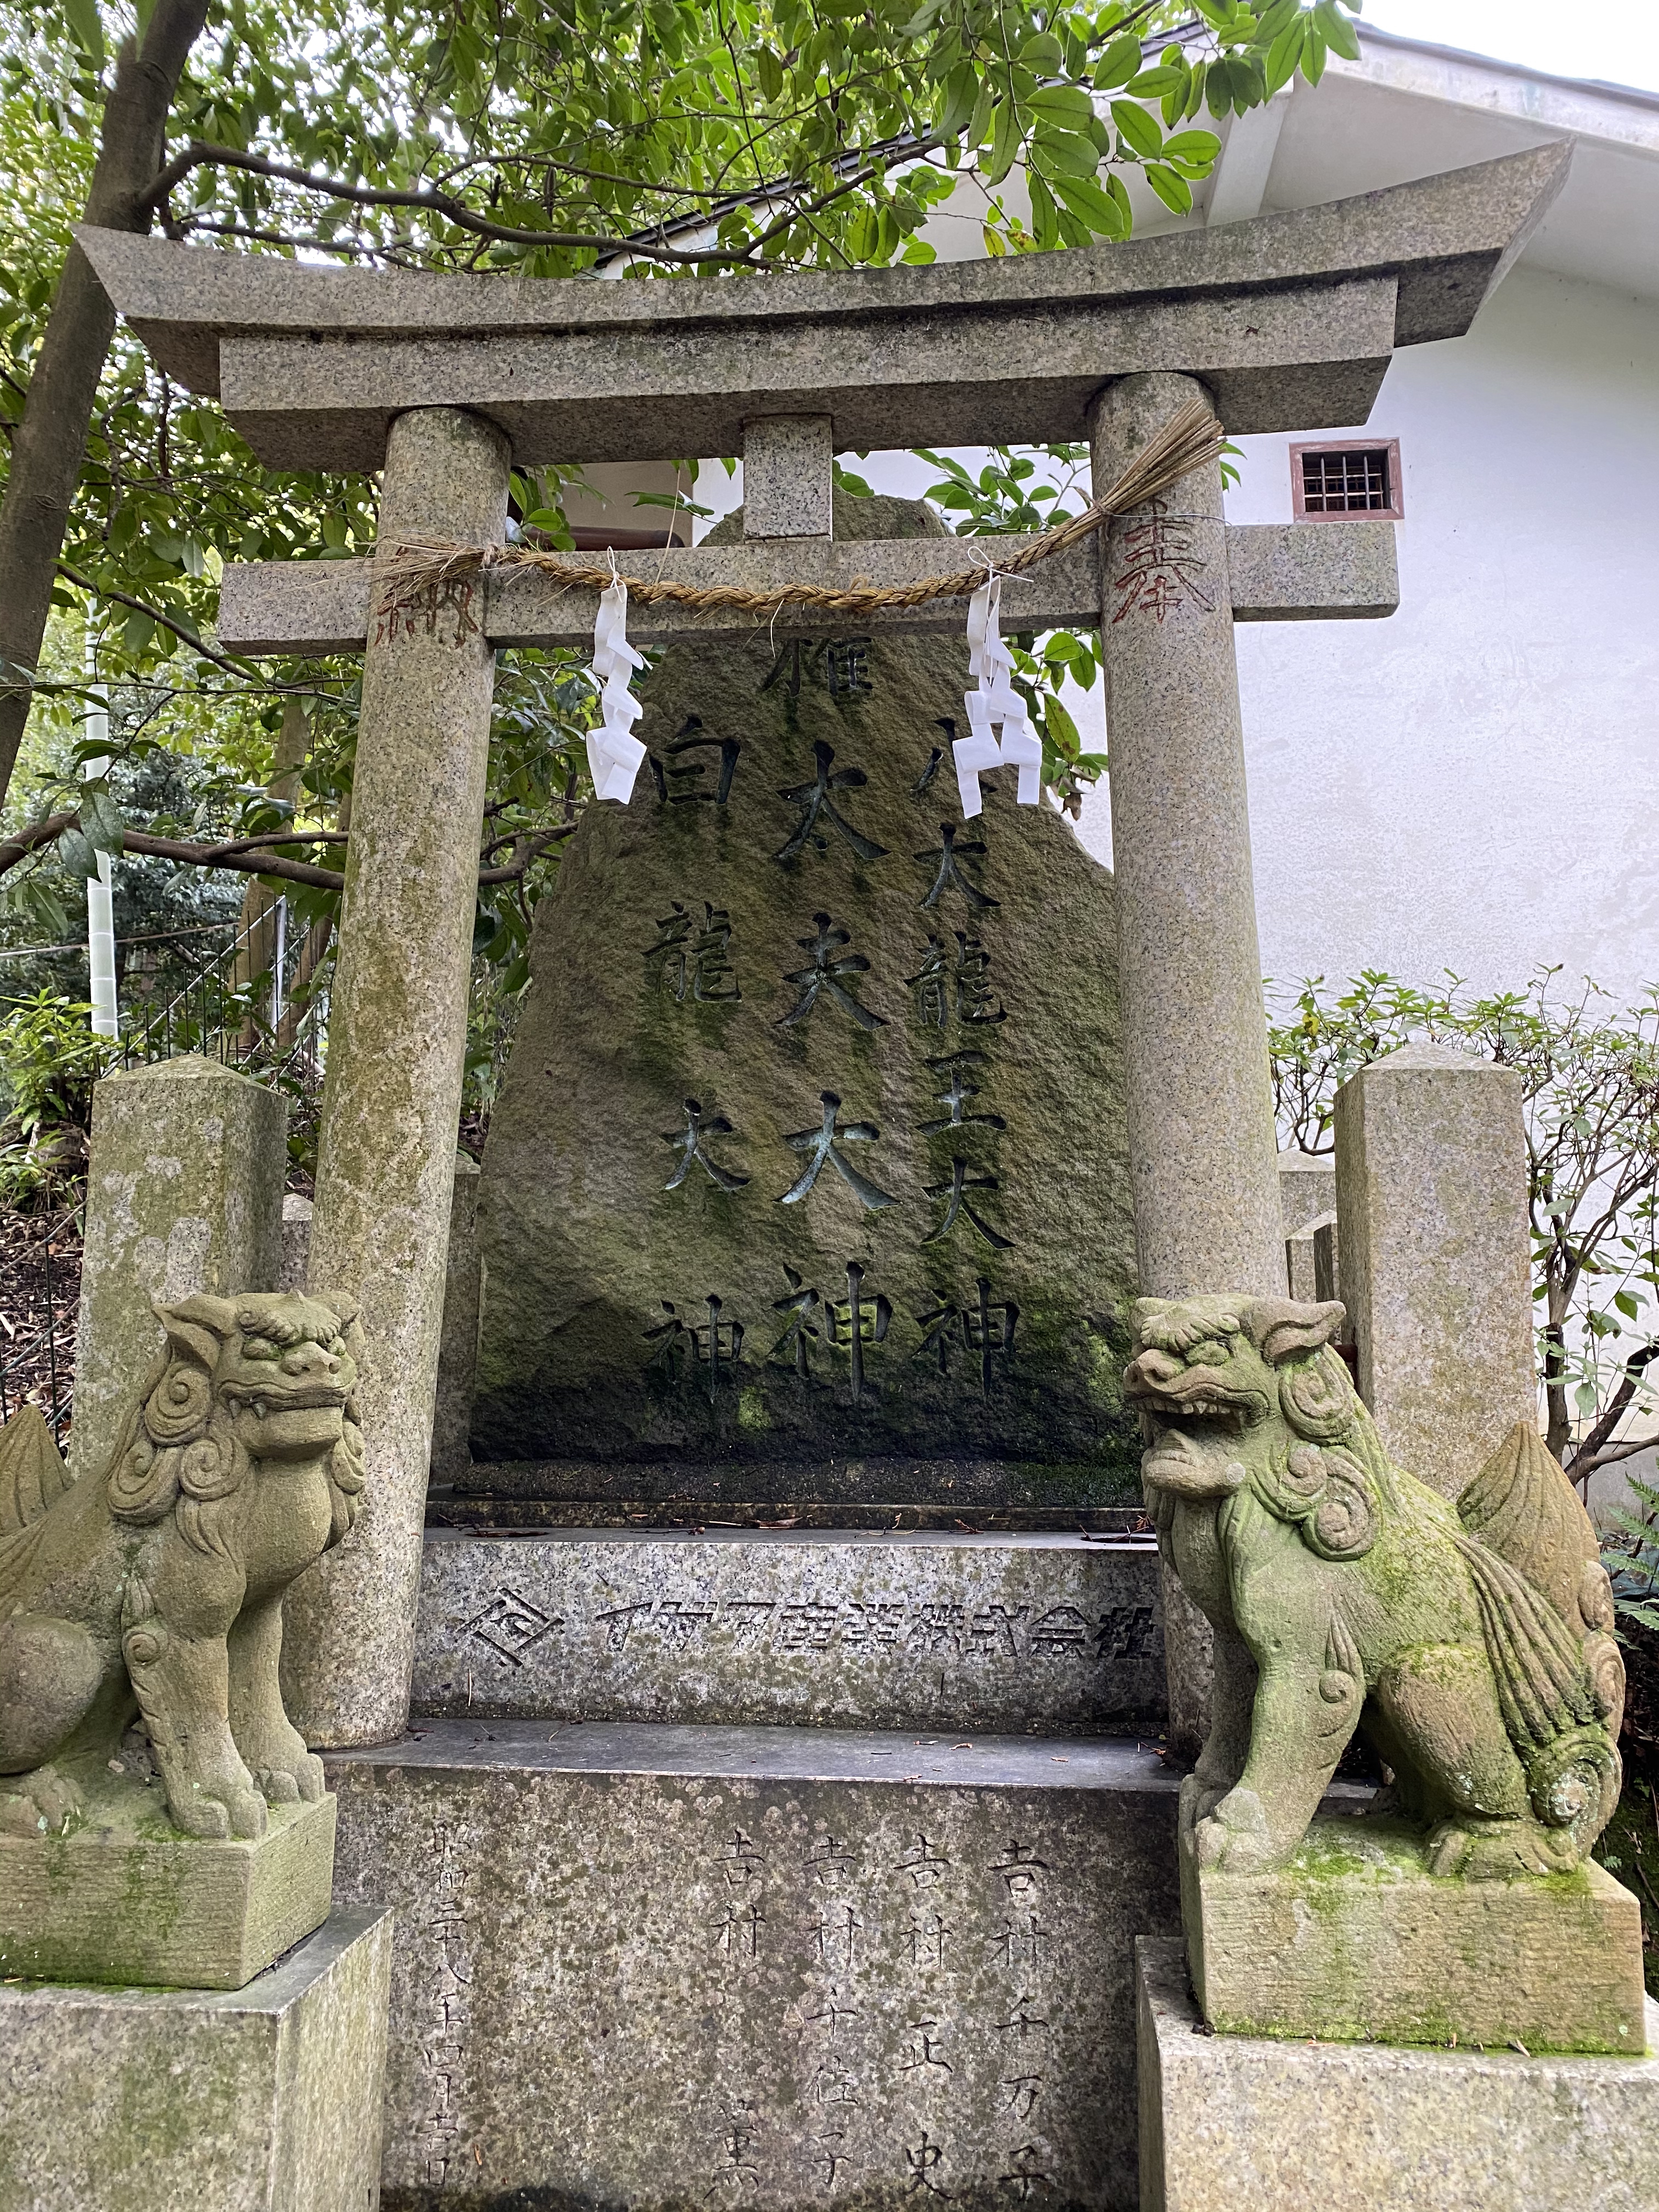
x,y
650,1966
922,1629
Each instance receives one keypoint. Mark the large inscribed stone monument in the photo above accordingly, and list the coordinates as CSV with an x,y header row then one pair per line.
x,y
813,1144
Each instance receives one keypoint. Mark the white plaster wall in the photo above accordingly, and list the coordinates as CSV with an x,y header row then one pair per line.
x,y
1473,784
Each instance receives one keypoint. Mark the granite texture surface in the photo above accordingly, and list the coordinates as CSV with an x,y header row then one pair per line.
x,y
1356,1942
1307,1189
1052,1632
184,1193
788,483
810,1142
1293,317
127,1898
1344,570
385,1168
670,1966
1436,1256
1203,1149
268,2099
1261,2126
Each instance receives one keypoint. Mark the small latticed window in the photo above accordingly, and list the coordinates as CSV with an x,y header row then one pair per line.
x,y
1333,480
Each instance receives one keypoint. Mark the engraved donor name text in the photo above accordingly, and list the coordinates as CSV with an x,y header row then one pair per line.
x,y
510,1627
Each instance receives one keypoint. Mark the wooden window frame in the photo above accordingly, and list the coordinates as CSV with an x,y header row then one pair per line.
x,y
1395,511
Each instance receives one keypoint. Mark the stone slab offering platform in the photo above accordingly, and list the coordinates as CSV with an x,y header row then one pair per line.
x,y
880,1483
495,1516
1260,2125
768,1626
652,1966
126,1899
264,2099
1356,1941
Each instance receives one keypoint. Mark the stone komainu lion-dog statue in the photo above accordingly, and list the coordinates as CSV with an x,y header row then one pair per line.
x,y
1472,1643
157,1587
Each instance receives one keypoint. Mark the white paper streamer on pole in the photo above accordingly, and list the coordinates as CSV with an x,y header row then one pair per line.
x,y
994,701
614,753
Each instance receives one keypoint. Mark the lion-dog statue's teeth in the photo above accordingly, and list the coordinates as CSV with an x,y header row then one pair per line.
x,y
156,1587
1471,1646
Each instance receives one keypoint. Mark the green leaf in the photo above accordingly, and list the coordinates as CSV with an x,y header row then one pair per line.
x,y
1313,54
1628,1303
1119,62
76,855
1068,104
1285,52
1061,150
1045,225
961,92
1138,129
1005,144
1170,186
1192,146
88,30
1043,55
1339,34
1097,207
1153,83
770,70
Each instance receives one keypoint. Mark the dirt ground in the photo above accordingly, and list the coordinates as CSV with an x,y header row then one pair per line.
x,y
39,1276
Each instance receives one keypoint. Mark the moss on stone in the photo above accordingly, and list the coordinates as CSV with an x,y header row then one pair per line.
x,y
599,1319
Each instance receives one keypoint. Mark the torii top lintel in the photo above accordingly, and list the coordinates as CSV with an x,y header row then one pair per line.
x,y
1289,319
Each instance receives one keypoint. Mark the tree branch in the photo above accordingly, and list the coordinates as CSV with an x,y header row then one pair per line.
x,y
201,153
1589,1447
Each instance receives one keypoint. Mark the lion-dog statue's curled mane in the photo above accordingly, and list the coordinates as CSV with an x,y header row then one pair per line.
x,y
1471,1644
156,1587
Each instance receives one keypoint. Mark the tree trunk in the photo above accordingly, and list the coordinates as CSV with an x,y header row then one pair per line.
x,y
51,439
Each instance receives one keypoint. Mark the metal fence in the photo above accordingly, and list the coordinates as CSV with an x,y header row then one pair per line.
x,y
259,1005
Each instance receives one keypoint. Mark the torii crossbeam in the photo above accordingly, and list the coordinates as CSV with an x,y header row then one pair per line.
x,y
445,382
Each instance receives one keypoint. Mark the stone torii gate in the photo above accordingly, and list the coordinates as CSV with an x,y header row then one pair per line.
x,y
444,383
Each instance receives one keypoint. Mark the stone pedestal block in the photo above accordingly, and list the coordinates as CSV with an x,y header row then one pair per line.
x,y
184,1193
851,1629
296,1242
1307,1189
1355,1942
152,2100
1263,2126
124,1899
1434,1255
671,1967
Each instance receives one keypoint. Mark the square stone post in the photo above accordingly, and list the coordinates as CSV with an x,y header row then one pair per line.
x,y
1203,1155
184,1193
391,1098
1436,1256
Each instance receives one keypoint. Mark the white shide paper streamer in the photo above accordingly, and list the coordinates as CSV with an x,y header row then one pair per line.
x,y
614,753
995,701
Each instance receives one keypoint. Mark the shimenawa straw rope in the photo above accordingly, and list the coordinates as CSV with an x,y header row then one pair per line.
x,y
406,571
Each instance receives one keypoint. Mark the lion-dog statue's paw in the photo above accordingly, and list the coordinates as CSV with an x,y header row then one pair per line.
x,y
1235,1838
301,1781
1497,1851
38,1804
214,1818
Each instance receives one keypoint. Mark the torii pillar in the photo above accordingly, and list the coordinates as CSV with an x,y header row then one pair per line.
x,y
1288,323
391,1096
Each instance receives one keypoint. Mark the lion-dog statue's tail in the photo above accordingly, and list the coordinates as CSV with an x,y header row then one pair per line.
x,y
1547,1612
